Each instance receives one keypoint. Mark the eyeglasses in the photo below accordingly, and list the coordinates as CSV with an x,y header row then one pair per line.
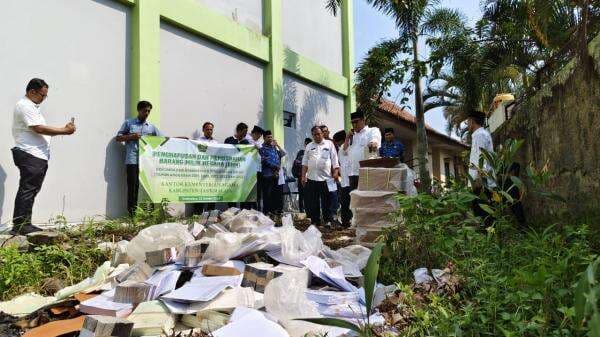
x,y
40,94
354,121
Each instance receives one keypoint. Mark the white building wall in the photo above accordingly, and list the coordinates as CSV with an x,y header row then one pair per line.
x,y
310,29
246,12
312,105
201,81
81,48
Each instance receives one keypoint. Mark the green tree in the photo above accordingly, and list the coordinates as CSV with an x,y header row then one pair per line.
x,y
398,61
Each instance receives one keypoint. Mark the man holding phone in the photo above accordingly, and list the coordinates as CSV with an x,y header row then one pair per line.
x,y
360,140
130,133
32,151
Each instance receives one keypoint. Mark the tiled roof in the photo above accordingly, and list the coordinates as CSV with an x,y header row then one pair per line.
x,y
391,108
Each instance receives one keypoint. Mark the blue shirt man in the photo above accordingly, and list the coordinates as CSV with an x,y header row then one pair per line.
x,y
270,156
134,127
270,159
130,133
391,147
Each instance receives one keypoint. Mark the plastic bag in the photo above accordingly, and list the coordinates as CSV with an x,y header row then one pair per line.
x,y
249,221
357,254
158,237
285,299
223,247
409,183
297,246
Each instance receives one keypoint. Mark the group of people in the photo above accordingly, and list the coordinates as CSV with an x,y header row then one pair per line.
x,y
328,172
328,168
269,176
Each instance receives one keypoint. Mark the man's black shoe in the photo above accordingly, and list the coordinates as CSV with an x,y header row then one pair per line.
x,y
25,230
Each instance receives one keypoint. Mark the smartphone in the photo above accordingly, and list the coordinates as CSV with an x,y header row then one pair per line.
x,y
73,120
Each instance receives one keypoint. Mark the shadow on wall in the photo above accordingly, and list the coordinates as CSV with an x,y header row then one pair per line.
x,y
2,189
115,178
115,174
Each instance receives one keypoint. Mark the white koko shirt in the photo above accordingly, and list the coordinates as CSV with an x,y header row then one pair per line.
x,y
320,158
28,114
356,151
480,139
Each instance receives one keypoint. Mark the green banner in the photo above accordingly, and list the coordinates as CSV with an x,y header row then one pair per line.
x,y
181,170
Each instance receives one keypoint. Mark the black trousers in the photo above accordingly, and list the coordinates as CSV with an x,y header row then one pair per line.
x,y
201,207
488,220
259,194
133,186
269,194
346,213
317,194
32,172
300,195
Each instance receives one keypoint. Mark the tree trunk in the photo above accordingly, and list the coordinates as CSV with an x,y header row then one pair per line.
x,y
422,148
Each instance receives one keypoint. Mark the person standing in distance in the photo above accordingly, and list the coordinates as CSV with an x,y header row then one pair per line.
x,y
130,132
31,151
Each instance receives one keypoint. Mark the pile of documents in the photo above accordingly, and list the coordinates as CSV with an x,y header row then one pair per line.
x,y
234,273
374,203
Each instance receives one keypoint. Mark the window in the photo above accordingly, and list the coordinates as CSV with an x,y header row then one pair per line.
x,y
447,169
289,119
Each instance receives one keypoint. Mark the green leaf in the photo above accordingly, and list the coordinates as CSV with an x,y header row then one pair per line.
x,y
486,208
582,288
594,325
516,181
340,323
371,271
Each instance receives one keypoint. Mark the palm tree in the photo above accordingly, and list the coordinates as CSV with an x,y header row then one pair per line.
x,y
391,61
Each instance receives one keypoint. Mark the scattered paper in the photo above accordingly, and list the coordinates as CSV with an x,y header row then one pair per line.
x,y
333,276
163,282
251,324
25,304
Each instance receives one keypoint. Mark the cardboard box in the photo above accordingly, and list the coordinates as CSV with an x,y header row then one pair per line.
x,y
212,270
382,179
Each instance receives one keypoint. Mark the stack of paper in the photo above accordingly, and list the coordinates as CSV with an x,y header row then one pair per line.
x,y
161,257
106,306
207,321
152,318
132,292
101,326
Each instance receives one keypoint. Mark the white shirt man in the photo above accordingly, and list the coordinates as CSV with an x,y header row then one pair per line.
x,y
320,169
362,138
31,151
205,135
27,114
480,139
320,159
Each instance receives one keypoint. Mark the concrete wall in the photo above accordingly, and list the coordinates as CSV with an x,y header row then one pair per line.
x,y
246,12
201,81
560,127
311,30
312,106
85,61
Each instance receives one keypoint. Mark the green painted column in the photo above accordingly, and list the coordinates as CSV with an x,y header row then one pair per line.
x,y
348,59
273,93
145,56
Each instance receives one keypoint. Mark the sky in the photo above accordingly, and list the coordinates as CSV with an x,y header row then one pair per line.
x,y
370,27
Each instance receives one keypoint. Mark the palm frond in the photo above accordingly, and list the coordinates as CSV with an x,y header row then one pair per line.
x,y
333,6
